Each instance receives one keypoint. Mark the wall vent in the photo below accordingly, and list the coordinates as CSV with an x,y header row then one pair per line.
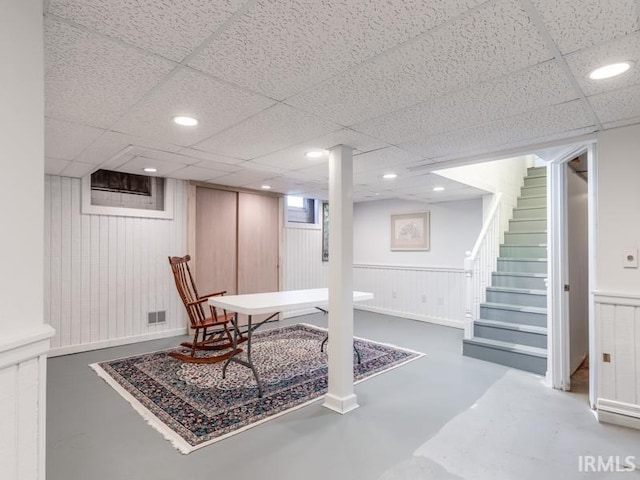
x,y
156,317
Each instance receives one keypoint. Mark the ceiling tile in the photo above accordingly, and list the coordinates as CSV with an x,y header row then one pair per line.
x,y
583,62
273,129
477,47
114,143
139,162
617,105
293,158
280,48
66,140
53,166
169,28
216,106
526,90
496,135
197,173
621,123
210,157
94,80
244,177
576,24
78,169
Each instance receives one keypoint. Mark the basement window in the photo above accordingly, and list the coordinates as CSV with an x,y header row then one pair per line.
x,y
107,192
301,210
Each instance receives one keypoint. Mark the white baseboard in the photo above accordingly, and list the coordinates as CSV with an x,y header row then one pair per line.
x,y
618,413
447,322
116,342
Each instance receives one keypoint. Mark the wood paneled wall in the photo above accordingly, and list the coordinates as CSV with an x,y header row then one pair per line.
x,y
103,274
618,332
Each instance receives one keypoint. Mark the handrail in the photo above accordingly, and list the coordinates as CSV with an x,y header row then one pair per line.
x,y
485,228
481,262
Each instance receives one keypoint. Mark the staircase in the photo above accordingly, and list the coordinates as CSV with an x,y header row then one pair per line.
x,y
512,328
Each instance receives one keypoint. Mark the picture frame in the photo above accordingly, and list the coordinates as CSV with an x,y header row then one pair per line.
x,y
325,231
410,231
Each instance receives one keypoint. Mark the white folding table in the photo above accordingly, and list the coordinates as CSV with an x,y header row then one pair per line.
x,y
272,302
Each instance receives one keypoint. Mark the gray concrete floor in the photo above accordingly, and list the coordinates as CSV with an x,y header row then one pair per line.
x,y
93,433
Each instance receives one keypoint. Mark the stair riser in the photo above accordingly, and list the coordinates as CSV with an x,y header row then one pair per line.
x,y
521,266
529,190
521,251
520,299
514,238
524,318
536,171
511,336
532,202
528,226
516,281
540,212
535,181
510,359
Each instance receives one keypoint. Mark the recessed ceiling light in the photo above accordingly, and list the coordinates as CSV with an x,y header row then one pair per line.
x,y
315,153
609,71
438,189
185,121
150,169
266,187
389,176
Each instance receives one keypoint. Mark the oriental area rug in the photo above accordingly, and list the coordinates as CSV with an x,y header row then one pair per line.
x,y
193,406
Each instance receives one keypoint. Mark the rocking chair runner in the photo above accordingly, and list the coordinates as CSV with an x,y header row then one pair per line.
x,y
210,332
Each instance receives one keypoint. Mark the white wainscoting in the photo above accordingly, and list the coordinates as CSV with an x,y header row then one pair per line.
x,y
103,274
435,295
23,385
618,334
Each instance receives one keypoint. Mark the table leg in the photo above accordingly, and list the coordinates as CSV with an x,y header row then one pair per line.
x,y
235,345
250,361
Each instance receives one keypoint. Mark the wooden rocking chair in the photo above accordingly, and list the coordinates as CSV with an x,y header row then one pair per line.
x,y
210,332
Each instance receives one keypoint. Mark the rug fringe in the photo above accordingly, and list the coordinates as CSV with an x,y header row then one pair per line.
x,y
176,441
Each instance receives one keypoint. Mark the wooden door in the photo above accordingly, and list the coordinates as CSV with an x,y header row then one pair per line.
x,y
216,240
258,242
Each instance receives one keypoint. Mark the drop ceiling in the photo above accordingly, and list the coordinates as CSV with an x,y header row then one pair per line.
x,y
406,83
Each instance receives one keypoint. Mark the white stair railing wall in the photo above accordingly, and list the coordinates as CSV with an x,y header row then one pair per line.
x,y
481,262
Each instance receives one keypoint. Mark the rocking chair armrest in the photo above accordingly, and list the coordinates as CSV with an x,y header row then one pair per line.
x,y
214,294
196,302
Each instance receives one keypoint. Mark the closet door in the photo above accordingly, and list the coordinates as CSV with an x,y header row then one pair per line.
x,y
257,243
216,240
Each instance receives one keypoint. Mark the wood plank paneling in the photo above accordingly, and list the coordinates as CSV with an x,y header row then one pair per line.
x,y
216,240
104,273
258,238
618,334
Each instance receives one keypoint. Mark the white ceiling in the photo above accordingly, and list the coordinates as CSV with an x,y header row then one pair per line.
x,y
407,83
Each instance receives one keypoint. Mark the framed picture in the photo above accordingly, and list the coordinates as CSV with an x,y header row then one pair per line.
x,y
410,231
325,232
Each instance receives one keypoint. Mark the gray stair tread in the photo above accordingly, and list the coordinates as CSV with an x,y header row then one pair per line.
x,y
532,219
527,232
531,208
512,326
515,308
536,196
521,274
530,291
536,175
508,346
523,259
510,245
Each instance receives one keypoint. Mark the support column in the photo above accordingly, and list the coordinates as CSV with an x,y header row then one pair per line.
x,y
340,396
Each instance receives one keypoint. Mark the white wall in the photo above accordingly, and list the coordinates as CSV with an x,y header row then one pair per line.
x,y
617,293
578,252
454,229
500,176
24,339
425,286
105,273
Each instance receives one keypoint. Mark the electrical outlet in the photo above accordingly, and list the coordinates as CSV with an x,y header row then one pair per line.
x,y
606,357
